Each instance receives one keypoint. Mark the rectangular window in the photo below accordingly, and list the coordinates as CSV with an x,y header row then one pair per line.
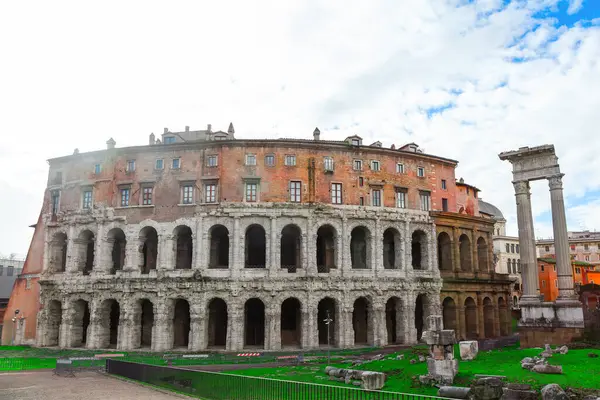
x,y
125,197
586,247
400,168
542,268
9,270
212,161
555,268
176,163
188,194
577,270
147,195
361,201
572,247
251,189
420,172
295,191
160,164
250,159
270,160
507,248
401,199
425,201
130,166
547,248
512,248
210,193
336,193
445,205
169,139
87,199
55,201
357,165
444,184
587,258
361,181
97,169
376,198
517,248
555,283
375,165
543,283
328,162
290,160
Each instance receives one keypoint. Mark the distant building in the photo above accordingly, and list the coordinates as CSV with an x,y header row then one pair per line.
x,y
548,278
585,246
10,269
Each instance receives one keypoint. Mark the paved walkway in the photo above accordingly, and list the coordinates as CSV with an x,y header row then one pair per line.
x,y
42,385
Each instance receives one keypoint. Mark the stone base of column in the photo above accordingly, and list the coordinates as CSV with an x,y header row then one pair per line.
x,y
530,300
550,323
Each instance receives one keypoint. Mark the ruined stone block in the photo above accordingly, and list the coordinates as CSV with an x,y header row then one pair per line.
x,y
468,349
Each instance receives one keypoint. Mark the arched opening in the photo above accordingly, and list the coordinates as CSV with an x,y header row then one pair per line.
x,y
291,248
291,323
117,238
254,323
185,247
393,321
85,249
54,321
465,253
514,266
114,316
219,247
327,324
360,249
256,247
108,331
146,323
449,313
391,249
149,249
419,250
515,301
361,322
81,322
420,315
181,324
471,318
217,323
488,317
482,255
58,253
503,316
444,252
326,248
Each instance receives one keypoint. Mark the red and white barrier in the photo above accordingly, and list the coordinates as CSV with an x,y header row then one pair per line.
x,y
248,354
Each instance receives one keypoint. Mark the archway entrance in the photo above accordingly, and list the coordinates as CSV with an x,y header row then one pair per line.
x,y
291,246
146,323
419,316
488,313
219,247
361,322
54,321
326,251
256,247
181,324
254,323
217,323
326,311
444,252
449,313
149,240
291,323
471,318
393,321
81,323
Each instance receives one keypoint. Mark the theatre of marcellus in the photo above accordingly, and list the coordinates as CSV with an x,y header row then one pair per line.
x,y
200,240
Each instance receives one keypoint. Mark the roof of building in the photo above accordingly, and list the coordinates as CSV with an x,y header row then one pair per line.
x,y
7,283
490,209
552,260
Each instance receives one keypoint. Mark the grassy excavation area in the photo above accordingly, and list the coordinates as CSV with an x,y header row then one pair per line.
x,y
579,370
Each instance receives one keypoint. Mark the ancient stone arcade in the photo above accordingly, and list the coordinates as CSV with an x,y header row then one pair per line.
x,y
235,276
543,322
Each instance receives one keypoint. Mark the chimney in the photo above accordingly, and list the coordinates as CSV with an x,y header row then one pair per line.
x,y
151,140
393,147
230,130
166,130
187,128
317,134
110,143
209,128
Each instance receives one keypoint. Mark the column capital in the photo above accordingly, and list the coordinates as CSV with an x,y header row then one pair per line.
x,y
555,182
521,187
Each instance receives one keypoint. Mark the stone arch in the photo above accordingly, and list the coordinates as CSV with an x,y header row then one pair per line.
x,y
85,244
326,248
118,244
146,322
291,322
419,250
360,248
256,247
515,301
482,255
392,253
394,320
464,244
254,323
54,320
449,314
420,315
109,313
471,318
362,315
503,317
219,247
184,247
181,323
327,309
148,247
444,252
488,317
291,247
217,323
80,323
58,252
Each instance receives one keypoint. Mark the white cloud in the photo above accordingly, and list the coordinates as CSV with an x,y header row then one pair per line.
x,y
574,6
77,74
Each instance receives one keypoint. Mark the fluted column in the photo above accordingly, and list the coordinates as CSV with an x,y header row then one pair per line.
x,y
526,243
561,240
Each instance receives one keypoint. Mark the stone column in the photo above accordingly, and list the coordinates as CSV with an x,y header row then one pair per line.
x,y
272,242
343,248
561,240
480,317
379,325
460,322
526,243
77,248
309,242
411,331
237,262
308,329
132,254
197,331
377,248
273,328
345,328
497,329
162,338
475,251
456,250
199,246
126,329
235,328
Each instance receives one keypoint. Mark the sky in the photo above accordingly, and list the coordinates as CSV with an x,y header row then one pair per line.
x,y
463,79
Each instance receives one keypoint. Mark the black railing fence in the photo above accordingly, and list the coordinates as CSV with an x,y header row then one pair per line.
x,y
220,386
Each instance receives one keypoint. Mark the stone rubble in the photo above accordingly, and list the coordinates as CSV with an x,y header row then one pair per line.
x,y
468,349
487,389
368,380
553,392
516,391
547,369
442,367
454,392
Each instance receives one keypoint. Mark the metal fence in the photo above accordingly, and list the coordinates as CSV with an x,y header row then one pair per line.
x,y
219,386
20,364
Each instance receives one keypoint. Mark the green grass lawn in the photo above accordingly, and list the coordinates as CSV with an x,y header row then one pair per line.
x,y
579,370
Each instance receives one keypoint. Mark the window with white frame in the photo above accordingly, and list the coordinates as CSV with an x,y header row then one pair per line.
x,y
212,161
425,201
210,192
375,166
251,191
401,198
328,162
420,172
187,194
400,168
355,142
270,160
357,165
295,191
169,139
336,193
176,164
147,192
376,197
125,197
87,199
250,159
97,169
160,164
290,160
130,166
